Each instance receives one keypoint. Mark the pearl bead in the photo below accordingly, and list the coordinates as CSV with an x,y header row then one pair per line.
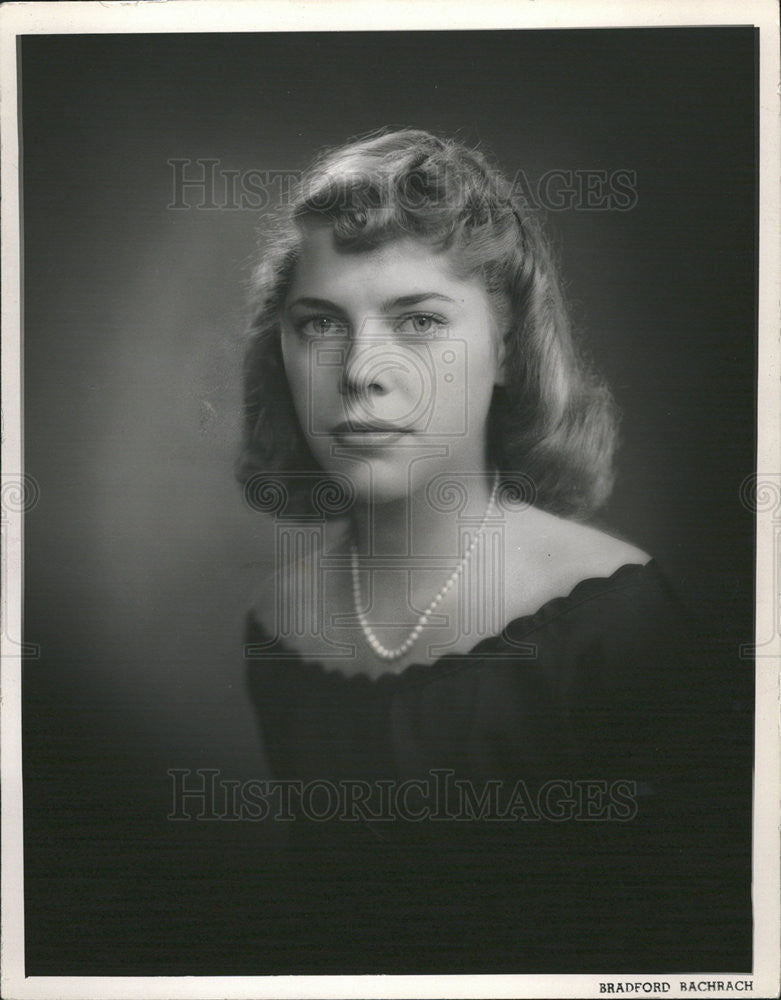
x,y
399,651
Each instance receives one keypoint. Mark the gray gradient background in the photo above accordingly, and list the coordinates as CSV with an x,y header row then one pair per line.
x,y
140,554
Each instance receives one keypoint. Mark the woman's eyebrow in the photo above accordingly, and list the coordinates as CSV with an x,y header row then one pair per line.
x,y
404,301
315,303
388,306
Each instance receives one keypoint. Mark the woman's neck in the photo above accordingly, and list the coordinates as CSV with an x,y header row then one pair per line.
x,y
425,523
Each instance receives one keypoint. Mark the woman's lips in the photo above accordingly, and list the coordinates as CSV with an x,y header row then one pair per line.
x,y
368,435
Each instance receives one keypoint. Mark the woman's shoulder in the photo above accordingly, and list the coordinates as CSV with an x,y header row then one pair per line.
x,y
550,556
606,611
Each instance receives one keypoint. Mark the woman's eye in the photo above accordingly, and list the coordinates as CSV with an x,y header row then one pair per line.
x,y
420,324
320,326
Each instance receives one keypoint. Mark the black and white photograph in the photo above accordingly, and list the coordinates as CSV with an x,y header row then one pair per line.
x,y
391,500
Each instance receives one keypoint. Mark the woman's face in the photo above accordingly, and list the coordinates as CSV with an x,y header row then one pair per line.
x,y
391,359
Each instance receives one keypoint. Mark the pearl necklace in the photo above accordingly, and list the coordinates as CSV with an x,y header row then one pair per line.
x,y
394,654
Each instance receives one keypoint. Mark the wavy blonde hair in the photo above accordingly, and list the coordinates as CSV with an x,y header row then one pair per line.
x,y
553,421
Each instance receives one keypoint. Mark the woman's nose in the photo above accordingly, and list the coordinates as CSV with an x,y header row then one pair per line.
x,y
368,364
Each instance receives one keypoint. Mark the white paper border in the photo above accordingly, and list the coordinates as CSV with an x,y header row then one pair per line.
x,y
380,15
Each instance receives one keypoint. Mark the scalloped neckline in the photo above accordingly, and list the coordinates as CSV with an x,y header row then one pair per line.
x,y
583,591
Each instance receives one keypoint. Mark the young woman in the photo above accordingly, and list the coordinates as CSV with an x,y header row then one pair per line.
x,y
484,699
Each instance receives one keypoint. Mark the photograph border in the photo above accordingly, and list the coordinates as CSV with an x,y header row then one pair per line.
x,y
185,16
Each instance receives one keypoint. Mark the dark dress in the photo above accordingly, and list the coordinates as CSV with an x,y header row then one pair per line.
x,y
569,811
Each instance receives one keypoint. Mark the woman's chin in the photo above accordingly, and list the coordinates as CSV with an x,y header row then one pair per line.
x,y
380,488
382,492
376,482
